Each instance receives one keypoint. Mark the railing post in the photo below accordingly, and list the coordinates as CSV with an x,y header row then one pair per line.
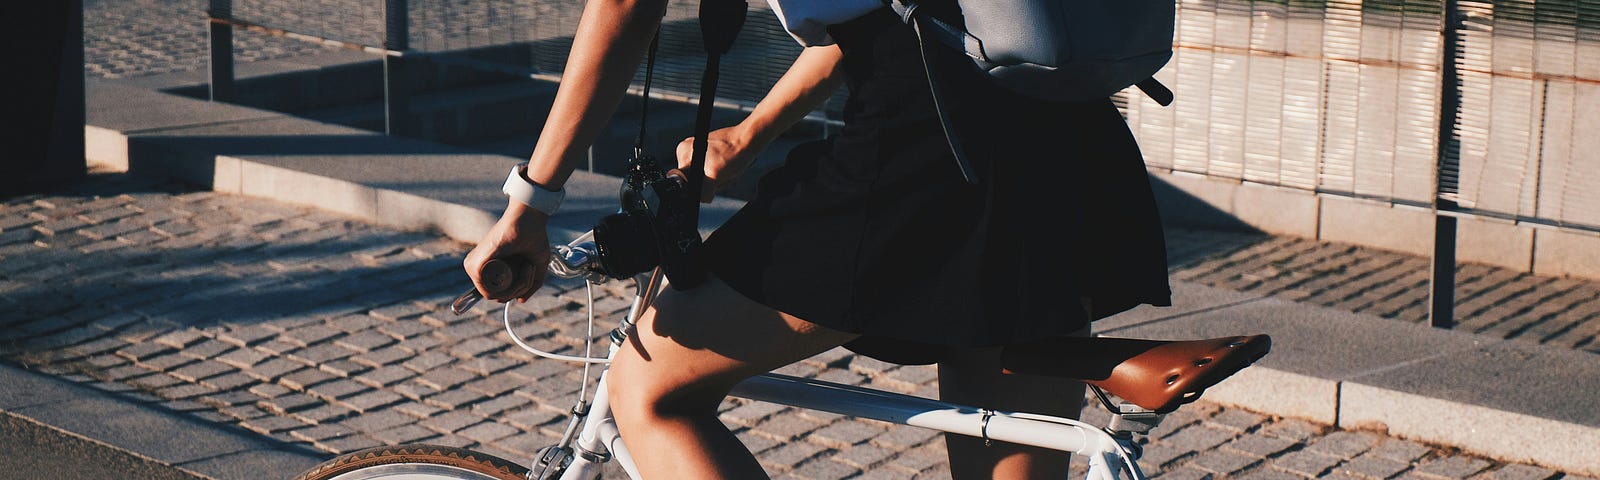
x,y
1442,300
221,33
396,88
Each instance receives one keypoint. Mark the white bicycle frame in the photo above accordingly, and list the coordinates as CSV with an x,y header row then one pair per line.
x,y
592,439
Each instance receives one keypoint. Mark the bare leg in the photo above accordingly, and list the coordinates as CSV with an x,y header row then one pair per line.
x,y
973,377
685,355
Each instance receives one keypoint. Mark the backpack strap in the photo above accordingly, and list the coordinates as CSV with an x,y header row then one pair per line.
x,y
907,10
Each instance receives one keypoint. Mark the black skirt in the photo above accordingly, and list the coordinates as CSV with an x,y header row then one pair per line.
x,y
874,230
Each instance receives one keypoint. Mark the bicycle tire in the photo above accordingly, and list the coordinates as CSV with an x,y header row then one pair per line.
x,y
419,461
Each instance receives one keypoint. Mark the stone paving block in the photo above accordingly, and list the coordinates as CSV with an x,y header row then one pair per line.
x,y
270,390
454,399
1345,443
231,381
184,391
197,371
273,369
1269,474
365,341
144,351
1239,421
1223,463
246,335
1158,456
1258,445
383,377
180,339
279,348
445,378
380,420
383,357
206,349
310,334
904,437
413,391
344,368
428,361
1451,467
153,382
323,414
751,413
495,405
787,455
530,418
290,403
824,468
321,432
1293,429
403,434
1402,450
348,443
271,424
487,432
495,386
489,366
321,354
337,389
305,378
1517,471
844,433
1305,462
1199,437
785,427
1373,466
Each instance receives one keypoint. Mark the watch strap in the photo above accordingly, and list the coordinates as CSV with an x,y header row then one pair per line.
x,y
519,188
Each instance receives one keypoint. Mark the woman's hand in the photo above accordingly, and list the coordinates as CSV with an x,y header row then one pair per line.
x,y
729,152
519,237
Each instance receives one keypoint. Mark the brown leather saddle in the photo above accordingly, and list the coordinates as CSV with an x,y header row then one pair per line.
x,y
1159,375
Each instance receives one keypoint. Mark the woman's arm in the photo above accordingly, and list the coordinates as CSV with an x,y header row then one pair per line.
x,y
809,82
612,38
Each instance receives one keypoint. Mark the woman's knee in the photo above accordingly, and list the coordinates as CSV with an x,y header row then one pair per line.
x,y
637,390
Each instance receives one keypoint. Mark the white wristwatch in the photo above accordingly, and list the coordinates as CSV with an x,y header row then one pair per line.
x,y
519,188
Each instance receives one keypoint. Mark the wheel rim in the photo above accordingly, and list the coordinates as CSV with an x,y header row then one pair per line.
x,y
413,471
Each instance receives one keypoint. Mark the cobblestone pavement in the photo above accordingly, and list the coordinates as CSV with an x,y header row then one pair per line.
x,y
1492,301
315,329
129,38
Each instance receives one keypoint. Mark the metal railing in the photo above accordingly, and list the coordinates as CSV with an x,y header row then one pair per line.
x,y
527,38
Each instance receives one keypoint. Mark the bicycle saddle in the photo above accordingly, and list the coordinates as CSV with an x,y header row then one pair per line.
x,y
1158,375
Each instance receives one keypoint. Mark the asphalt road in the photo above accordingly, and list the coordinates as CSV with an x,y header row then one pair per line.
x,y
34,451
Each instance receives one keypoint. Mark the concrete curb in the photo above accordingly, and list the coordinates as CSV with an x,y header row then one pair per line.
x,y
169,438
1430,385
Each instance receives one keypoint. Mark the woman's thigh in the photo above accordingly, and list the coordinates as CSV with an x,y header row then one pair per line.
x,y
697,344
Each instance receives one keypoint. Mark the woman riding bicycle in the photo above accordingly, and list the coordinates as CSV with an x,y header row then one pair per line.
x,y
871,239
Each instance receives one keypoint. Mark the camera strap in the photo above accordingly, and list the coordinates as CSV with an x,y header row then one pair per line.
x,y
644,97
720,22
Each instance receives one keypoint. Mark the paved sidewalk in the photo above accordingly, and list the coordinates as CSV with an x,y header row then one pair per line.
x,y
318,330
313,333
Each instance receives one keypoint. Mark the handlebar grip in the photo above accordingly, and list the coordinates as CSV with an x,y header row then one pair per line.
x,y
499,276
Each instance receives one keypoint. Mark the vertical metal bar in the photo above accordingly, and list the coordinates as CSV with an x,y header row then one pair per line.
x,y
396,89
1441,306
1442,301
220,32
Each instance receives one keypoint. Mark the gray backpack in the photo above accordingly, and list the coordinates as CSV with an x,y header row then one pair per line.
x,y
1061,50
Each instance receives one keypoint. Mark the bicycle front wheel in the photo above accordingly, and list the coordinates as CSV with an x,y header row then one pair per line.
x,y
416,462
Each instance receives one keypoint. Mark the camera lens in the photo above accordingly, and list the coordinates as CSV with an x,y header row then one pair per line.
x,y
626,245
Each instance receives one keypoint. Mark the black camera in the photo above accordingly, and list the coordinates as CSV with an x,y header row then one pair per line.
x,y
655,226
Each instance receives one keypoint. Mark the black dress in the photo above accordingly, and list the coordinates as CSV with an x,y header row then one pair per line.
x,y
874,231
